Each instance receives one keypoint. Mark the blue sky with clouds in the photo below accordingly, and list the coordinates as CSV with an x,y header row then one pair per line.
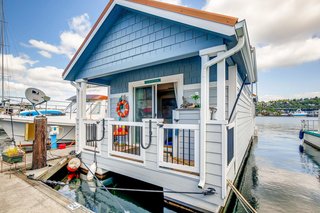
x,y
43,35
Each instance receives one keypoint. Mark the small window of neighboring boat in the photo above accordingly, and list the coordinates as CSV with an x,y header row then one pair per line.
x,y
96,109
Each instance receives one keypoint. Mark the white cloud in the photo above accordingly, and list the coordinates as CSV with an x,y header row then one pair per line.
x,y
80,24
45,54
44,46
279,29
289,53
176,2
17,63
21,73
53,87
70,40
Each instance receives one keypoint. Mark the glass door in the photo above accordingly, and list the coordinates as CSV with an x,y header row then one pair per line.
x,y
144,103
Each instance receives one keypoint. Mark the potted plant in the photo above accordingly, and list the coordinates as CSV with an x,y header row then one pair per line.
x,y
12,154
195,97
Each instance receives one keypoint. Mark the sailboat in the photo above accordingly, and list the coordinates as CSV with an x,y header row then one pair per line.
x,y
18,122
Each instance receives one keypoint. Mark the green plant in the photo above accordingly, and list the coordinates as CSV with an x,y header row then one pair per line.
x,y
196,97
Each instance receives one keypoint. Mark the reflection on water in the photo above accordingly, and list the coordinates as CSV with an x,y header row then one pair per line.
x,y
277,177
95,198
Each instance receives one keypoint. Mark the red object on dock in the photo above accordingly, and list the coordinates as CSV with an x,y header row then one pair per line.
x,y
73,165
62,146
72,176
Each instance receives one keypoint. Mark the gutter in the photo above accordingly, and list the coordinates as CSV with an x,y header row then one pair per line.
x,y
207,65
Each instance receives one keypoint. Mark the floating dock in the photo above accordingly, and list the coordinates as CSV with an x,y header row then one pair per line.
x,y
19,194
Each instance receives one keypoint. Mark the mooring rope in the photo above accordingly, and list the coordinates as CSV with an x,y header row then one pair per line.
x,y
240,197
209,191
97,179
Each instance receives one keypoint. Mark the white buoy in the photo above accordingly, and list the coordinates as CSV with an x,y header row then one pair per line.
x,y
93,169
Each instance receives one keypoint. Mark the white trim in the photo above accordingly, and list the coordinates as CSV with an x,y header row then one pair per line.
x,y
163,80
222,122
111,152
221,89
203,118
90,38
81,112
224,161
170,171
232,73
91,149
185,19
212,51
196,144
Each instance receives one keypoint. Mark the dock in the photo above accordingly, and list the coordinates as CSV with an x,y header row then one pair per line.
x,y
19,194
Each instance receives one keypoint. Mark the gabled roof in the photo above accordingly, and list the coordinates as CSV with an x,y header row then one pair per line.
x,y
213,18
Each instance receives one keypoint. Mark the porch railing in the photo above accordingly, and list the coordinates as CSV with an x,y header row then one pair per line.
x,y
125,138
179,147
92,134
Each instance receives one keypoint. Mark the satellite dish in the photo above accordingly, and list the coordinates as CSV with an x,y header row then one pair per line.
x,y
36,96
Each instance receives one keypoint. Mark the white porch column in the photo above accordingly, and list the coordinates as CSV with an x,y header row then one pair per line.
x,y
221,89
81,113
203,116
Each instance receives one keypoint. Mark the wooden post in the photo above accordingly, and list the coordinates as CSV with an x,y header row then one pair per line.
x,y
39,156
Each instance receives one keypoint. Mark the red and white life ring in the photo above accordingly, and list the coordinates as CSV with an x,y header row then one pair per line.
x,y
123,108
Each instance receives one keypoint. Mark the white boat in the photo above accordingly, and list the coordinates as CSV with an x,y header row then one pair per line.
x,y
311,132
299,112
20,128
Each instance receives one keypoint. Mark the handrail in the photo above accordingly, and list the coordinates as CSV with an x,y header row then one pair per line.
x,y
238,96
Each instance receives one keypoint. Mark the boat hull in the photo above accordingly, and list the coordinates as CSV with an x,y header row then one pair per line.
x,y
66,133
312,138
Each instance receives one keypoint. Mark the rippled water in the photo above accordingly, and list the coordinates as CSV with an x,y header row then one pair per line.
x,y
277,177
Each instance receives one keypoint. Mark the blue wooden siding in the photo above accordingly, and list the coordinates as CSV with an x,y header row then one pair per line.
x,y
137,40
189,67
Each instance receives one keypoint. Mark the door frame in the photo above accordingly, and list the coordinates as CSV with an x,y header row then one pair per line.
x,y
163,80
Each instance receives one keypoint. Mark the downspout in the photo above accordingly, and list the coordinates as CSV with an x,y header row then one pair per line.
x,y
206,66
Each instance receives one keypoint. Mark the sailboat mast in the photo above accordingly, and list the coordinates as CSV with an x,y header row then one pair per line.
x,y
2,52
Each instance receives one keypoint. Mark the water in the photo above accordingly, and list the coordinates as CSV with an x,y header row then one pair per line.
x,y
278,178
93,197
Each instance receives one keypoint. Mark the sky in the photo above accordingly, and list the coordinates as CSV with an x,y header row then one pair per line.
x,y
43,35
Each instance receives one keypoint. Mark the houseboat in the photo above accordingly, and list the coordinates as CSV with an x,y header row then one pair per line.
x,y
181,111
310,132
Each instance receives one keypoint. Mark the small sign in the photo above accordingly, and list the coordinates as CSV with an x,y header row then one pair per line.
x,y
152,81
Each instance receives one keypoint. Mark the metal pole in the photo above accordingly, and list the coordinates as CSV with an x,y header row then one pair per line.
x,y
2,52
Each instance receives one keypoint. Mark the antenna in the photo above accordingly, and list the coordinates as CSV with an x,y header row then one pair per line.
x,y
36,97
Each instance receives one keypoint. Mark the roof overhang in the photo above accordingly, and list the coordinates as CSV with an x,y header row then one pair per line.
x,y
248,52
213,22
